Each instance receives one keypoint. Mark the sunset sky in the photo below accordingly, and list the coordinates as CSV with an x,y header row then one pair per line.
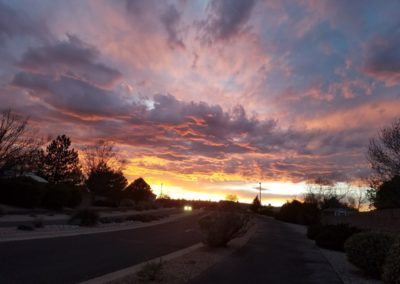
x,y
209,97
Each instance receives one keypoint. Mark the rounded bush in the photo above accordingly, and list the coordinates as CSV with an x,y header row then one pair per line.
x,y
56,197
266,211
333,236
75,198
85,217
220,228
368,251
391,269
314,230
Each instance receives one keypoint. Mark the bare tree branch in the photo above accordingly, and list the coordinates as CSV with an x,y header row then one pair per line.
x,y
384,153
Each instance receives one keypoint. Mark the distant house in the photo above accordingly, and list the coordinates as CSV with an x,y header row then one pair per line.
x,y
34,177
11,174
338,212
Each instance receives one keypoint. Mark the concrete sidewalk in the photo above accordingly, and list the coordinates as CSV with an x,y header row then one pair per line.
x,y
275,254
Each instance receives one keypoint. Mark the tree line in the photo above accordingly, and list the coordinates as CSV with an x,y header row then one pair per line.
x,y
99,171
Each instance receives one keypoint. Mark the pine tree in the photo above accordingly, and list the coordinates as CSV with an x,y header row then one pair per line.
x,y
256,205
139,190
60,163
104,181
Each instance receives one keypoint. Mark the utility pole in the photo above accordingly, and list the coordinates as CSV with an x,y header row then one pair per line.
x,y
260,192
161,190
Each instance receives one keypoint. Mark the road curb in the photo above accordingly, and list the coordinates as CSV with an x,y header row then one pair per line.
x,y
135,268
84,231
116,276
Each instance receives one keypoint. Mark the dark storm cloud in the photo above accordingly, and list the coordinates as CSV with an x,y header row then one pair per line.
x,y
68,94
226,18
72,58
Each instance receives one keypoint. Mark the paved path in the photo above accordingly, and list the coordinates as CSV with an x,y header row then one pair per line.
x,y
78,258
275,254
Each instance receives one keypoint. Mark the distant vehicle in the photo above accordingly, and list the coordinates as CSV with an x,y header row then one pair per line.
x,y
187,208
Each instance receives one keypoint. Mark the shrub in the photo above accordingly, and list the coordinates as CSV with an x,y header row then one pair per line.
x,y
391,269
143,218
75,198
290,212
61,195
56,197
266,211
25,228
368,251
298,213
105,203
38,223
314,230
388,194
334,236
151,271
220,228
85,217
127,203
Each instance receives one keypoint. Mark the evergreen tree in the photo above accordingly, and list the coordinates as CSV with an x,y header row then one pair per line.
x,y
104,181
256,205
60,163
139,190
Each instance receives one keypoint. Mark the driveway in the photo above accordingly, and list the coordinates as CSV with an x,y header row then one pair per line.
x,y
275,254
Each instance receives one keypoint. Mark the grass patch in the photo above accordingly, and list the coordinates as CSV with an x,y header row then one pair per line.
x,y
151,271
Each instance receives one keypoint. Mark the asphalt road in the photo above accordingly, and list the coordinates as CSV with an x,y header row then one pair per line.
x,y
275,254
78,258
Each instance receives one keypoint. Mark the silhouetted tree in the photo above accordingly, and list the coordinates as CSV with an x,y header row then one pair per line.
x,y
358,198
384,153
60,163
15,145
232,197
164,196
325,194
104,181
255,205
300,213
101,152
139,190
388,194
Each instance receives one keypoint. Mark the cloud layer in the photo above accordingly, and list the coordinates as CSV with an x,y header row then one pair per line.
x,y
206,93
